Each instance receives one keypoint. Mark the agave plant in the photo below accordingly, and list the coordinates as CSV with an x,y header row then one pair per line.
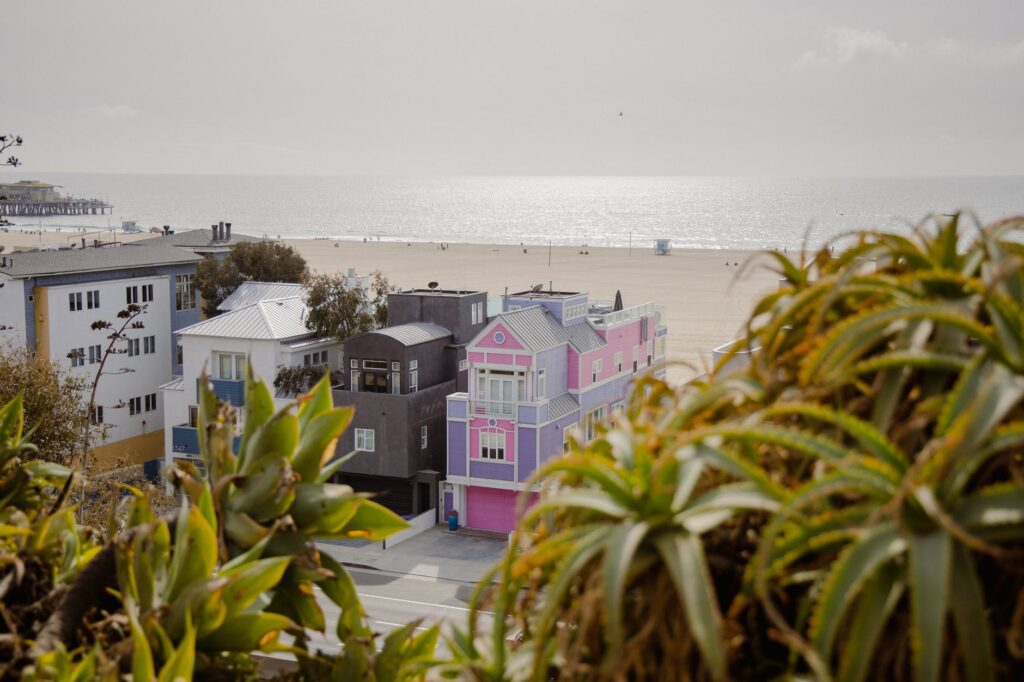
x,y
853,498
41,548
199,592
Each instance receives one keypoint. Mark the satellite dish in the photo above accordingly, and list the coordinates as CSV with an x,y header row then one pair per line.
x,y
536,288
432,285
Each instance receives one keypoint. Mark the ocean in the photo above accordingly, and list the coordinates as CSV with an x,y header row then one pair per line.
x,y
692,212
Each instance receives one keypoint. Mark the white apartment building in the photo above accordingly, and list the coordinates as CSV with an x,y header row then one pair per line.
x,y
49,302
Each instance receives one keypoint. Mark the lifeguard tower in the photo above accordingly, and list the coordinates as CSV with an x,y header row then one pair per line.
x,y
662,247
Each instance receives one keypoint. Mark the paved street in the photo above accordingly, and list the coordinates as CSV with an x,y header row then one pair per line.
x,y
393,599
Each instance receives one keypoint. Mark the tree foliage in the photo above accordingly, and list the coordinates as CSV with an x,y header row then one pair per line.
x,y
247,261
340,309
52,399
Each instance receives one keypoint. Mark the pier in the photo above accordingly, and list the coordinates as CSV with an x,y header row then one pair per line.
x,y
35,198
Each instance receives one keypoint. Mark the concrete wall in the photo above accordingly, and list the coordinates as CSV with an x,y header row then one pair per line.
x,y
396,421
451,311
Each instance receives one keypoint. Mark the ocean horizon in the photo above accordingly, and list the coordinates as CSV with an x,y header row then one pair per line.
x,y
691,211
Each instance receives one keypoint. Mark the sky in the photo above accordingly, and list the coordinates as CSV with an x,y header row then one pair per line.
x,y
524,87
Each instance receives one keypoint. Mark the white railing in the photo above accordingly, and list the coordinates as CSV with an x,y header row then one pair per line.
x,y
626,315
499,408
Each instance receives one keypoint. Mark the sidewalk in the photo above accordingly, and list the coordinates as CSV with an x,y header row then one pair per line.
x,y
436,553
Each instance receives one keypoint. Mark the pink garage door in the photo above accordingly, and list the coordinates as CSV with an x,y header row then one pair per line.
x,y
491,509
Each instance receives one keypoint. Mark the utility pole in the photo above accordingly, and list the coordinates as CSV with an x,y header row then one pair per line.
x,y
630,243
549,254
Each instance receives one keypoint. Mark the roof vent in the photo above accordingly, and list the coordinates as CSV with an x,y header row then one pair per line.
x,y
431,285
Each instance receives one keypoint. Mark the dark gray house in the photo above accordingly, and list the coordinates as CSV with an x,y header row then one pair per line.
x,y
398,378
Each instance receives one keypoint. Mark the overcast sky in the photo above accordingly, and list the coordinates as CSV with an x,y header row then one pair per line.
x,y
412,87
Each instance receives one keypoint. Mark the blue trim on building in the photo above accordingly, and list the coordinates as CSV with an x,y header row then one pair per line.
x,y
185,441
228,390
179,318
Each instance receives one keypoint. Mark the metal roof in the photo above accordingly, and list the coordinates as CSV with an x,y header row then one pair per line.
x,y
561,406
282,318
38,263
414,333
540,330
202,238
254,292
175,384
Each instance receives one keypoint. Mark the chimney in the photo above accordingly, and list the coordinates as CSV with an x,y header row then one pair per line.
x,y
220,231
227,231
95,243
83,242
167,230
214,228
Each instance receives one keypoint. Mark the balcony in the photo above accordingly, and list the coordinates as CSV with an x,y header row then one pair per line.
x,y
185,441
493,408
636,312
228,390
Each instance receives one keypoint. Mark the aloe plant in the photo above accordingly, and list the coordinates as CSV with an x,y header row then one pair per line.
x,y
856,491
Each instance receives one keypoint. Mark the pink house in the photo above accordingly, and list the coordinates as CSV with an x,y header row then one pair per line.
x,y
551,367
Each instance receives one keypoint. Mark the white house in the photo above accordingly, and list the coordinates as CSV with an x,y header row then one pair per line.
x,y
270,334
49,301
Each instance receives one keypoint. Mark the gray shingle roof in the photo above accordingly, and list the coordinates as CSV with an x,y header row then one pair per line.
x,y
254,292
539,330
561,406
283,318
37,263
203,238
414,333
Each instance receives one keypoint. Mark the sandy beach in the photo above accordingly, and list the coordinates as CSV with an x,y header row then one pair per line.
x,y
707,294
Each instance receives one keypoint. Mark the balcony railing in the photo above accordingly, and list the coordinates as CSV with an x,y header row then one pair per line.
x,y
493,408
230,390
628,314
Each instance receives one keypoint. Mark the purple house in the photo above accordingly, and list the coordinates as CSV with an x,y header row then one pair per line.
x,y
551,366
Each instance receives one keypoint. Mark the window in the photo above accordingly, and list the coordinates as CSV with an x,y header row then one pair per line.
x,y
133,347
135,405
414,374
179,354
396,367
502,388
514,307
541,383
659,347
650,351
75,301
150,402
230,366
193,416
618,361
463,365
314,358
476,311
619,407
375,364
147,293
591,422
353,384
95,354
396,383
97,415
595,369
148,344
365,440
423,438
492,445
131,295
77,356
636,357
92,299
353,363
184,292
307,360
